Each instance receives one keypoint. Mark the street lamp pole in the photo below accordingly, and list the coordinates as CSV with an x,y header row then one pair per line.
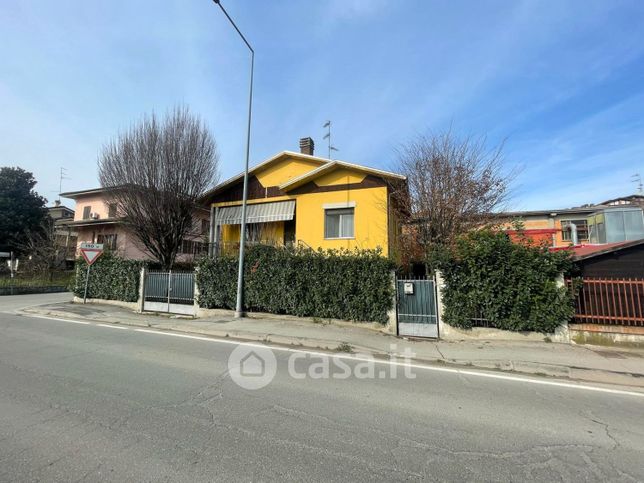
x,y
239,308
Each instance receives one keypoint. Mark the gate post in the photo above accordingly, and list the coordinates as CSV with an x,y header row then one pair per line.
x,y
392,313
195,293
169,288
562,333
440,308
141,301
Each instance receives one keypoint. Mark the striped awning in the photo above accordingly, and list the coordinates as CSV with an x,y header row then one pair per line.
x,y
256,213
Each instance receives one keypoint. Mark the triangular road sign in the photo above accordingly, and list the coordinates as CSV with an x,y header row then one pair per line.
x,y
91,254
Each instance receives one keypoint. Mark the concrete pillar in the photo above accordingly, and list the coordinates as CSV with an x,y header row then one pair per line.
x,y
392,314
141,299
562,333
196,294
443,329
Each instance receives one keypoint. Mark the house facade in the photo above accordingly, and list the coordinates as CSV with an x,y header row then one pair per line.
x,y
552,227
301,199
97,220
593,224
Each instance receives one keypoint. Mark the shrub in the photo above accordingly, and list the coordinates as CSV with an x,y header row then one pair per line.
x,y
512,285
350,285
111,278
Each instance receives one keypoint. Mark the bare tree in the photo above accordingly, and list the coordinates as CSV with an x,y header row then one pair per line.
x,y
454,185
157,170
46,248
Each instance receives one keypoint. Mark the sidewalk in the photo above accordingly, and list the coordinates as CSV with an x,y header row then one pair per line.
x,y
583,363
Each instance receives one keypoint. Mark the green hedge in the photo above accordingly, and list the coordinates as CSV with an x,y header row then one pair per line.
x,y
349,285
111,278
512,285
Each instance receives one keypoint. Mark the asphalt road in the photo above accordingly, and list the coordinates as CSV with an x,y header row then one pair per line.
x,y
90,402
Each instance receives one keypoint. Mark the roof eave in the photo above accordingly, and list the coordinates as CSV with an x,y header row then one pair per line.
x,y
254,169
628,244
311,175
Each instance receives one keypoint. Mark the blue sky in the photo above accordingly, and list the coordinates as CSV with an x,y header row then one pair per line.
x,y
562,82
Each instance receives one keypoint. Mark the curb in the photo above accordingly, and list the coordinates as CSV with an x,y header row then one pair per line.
x,y
573,373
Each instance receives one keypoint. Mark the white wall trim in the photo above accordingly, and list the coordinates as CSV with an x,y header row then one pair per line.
x,y
344,204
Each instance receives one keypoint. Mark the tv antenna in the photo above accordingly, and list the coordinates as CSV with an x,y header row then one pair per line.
x,y
327,125
63,173
636,178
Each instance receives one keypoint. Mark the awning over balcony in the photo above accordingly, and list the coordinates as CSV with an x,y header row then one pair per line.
x,y
256,213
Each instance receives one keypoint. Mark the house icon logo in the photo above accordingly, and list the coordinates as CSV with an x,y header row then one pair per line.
x,y
252,367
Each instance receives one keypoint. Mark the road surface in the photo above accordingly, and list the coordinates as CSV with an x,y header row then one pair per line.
x,y
99,403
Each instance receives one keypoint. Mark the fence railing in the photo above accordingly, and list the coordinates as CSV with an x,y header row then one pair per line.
x,y
172,287
610,301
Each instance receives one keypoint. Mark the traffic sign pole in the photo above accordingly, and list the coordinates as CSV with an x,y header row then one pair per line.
x,y
90,252
86,282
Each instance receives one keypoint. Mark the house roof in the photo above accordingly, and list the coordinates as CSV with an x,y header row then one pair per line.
x,y
76,194
563,211
225,184
326,165
60,207
583,252
636,198
330,166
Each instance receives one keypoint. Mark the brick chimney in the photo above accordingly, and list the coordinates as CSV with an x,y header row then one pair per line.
x,y
306,146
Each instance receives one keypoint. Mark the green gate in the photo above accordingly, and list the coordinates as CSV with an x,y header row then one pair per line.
x,y
416,308
171,292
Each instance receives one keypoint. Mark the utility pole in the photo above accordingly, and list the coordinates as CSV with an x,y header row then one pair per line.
x,y
327,125
239,307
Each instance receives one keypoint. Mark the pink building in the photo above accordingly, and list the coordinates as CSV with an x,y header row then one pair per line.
x,y
96,220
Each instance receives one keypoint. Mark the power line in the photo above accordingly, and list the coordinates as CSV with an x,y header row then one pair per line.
x,y
637,179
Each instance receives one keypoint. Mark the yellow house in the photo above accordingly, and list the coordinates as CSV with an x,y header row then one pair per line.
x,y
302,199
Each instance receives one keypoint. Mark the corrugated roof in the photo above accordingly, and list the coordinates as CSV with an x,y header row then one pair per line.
x,y
582,252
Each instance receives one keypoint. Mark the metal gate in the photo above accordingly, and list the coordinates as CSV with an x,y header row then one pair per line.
x,y
416,309
172,292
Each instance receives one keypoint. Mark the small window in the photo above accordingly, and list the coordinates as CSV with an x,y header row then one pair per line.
x,y
87,210
111,210
582,230
338,223
205,227
187,246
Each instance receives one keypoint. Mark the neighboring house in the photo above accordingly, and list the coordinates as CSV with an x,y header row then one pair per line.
x,y
632,200
551,227
66,235
299,198
59,212
596,224
96,220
